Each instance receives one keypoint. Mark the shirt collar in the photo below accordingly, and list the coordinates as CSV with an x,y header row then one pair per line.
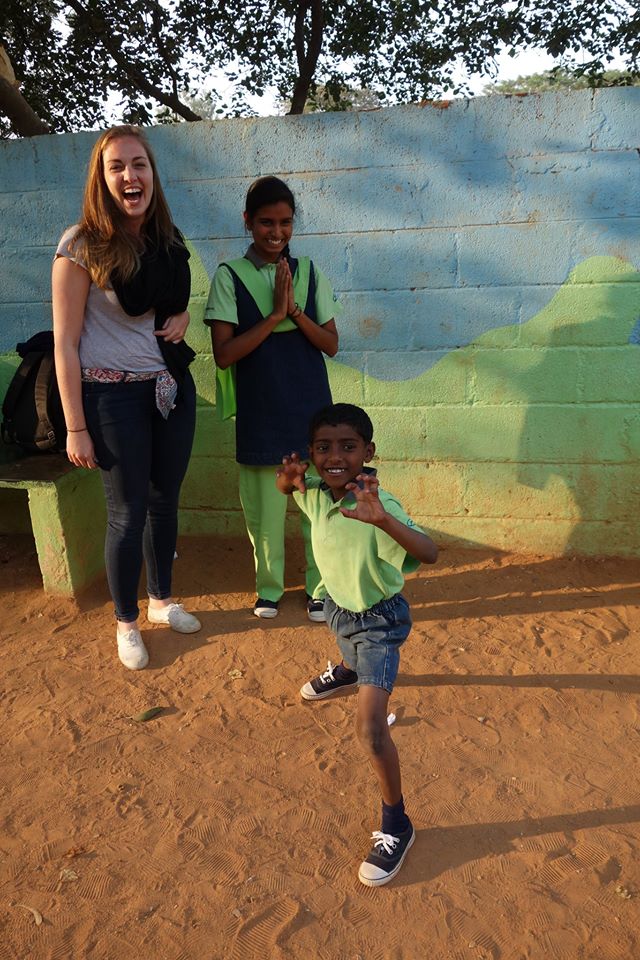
x,y
257,261
349,494
253,258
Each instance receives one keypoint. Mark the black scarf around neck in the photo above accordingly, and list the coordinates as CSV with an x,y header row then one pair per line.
x,y
163,284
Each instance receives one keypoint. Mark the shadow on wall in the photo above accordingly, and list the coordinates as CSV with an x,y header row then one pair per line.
x,y
537,424
582,436
528,438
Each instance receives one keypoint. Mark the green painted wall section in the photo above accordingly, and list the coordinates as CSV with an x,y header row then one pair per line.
x,y
528,438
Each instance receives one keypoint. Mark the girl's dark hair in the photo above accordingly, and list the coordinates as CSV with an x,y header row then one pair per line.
x,y
264,192
338,413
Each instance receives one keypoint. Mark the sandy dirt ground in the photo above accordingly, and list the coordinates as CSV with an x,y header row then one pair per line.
x,y
232,824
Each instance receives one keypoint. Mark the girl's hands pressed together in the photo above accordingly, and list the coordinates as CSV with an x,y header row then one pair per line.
x,y
283,290
290,476
175,328
229,348
368,508
291,301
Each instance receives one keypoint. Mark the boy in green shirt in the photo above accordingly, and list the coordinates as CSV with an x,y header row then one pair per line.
x,y
362,566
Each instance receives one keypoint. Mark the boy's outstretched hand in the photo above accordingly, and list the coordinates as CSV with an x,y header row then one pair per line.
x,y
290,476
368,508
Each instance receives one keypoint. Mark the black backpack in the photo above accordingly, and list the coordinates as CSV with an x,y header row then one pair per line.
x,y
32,411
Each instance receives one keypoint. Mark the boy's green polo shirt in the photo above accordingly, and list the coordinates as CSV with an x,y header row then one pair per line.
x,y
360,565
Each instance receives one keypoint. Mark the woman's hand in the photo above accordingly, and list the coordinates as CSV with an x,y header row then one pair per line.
x,y
80,450
175,328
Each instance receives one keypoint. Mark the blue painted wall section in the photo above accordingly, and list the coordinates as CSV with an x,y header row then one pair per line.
x,y
486,254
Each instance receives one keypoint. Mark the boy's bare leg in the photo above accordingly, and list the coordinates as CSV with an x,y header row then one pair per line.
x,y
396,835
374,736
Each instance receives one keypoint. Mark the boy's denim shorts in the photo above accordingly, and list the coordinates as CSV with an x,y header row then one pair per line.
x,y
370,641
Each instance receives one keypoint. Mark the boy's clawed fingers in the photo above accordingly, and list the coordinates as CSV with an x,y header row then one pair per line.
x,y
294,470
295,460
364,483
368,507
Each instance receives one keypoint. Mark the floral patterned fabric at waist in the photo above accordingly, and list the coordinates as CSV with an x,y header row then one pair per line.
x,y
166,386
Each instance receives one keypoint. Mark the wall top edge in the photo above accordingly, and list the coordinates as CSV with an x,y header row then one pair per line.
x,y
434,111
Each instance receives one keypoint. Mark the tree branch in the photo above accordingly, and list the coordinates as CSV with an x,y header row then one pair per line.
x,y
112,45
156,25
307,59
24,120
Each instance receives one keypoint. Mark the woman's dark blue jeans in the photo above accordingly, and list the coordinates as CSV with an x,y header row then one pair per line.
x,y
143,459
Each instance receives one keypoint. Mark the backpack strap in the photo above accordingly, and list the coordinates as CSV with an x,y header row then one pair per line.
x,y
41,397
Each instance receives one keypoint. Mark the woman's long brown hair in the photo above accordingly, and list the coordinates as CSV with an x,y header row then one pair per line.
x,y
102,243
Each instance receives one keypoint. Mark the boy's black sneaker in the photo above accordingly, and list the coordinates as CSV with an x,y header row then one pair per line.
x,y
386,857
327,683
315,610
266,609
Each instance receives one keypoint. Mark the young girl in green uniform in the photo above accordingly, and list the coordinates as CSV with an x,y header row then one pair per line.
x,y
272,319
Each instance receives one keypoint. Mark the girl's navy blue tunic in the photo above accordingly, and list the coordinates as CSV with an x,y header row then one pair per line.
x,y
279,385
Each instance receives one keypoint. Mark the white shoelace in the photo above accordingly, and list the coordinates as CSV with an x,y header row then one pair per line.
x,y
327,676
385,841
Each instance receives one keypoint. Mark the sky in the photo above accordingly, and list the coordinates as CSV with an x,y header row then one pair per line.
x,y
508,68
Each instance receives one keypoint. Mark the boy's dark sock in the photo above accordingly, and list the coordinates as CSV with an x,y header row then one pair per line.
x,y
344,673
394,819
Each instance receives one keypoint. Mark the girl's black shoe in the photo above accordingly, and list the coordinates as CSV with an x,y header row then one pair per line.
x,y
267,609
315,610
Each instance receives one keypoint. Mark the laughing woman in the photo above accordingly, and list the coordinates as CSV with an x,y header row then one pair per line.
x,y
121,285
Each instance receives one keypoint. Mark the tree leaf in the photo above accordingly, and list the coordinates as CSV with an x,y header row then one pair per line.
x,y
147,714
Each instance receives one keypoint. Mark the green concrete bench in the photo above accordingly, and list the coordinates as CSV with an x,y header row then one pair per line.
x,y
67,514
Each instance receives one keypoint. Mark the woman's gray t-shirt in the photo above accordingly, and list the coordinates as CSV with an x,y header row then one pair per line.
x,y
110,338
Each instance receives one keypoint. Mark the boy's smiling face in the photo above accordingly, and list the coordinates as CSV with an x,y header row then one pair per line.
x,y
338,454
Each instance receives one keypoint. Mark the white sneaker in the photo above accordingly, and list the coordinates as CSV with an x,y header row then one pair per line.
x,y
131,650
174,616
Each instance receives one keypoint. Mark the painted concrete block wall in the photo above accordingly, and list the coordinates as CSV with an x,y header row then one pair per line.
x,y
487,257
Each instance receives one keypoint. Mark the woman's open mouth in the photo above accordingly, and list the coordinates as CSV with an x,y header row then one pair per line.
x,y
132,196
